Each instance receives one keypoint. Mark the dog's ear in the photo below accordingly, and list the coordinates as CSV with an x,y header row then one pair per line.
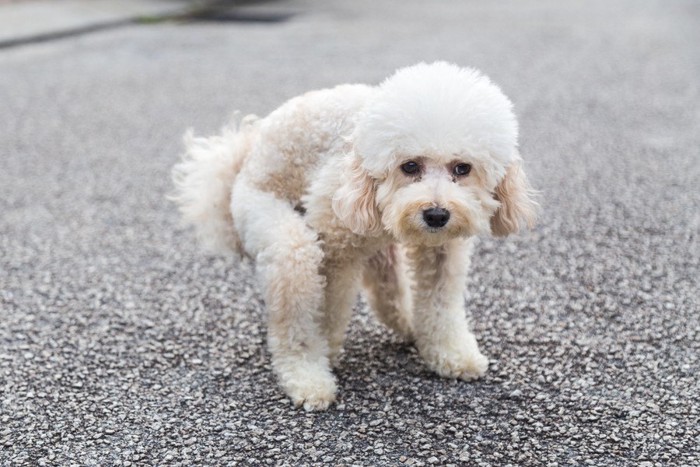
x,y
354,202
518,208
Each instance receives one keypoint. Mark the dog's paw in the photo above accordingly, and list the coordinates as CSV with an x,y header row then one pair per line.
x,y
464,364
316,402
318,396
316,391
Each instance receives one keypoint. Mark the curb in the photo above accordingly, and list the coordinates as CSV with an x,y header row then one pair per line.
x,y
33,22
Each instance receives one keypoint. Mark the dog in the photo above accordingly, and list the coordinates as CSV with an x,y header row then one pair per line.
x,y
376,187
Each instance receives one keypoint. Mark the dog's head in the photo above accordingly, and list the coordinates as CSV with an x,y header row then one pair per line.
x,y
435,157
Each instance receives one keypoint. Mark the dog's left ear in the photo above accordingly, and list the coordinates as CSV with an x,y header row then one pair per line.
x,y
518,208
354,202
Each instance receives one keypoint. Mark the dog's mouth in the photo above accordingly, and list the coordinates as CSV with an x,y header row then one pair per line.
x,y
414,229
439,225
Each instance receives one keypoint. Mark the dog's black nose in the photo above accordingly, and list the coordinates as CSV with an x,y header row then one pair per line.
x,y
436,217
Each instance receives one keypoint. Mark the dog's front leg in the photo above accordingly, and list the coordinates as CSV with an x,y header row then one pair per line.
x,y
440,326
342,284
387,285
288,258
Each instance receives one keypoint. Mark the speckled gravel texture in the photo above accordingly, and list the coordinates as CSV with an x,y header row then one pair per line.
x,y
122,344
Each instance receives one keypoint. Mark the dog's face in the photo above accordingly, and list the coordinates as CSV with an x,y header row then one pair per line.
x,y
429,199
436,158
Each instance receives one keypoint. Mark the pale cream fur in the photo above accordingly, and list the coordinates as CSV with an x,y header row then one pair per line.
x,y
315,193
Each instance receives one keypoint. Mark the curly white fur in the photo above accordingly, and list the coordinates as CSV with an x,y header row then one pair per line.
x,y
203,181
323,195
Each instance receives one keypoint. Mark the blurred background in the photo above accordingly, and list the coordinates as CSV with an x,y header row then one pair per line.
x,y
122,344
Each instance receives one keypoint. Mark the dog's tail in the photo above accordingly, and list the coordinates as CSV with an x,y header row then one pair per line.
x,y
204,179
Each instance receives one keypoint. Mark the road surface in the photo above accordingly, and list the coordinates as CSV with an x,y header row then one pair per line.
x,y
122,344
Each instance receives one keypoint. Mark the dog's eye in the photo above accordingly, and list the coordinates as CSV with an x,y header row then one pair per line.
x,y
410,167
462,169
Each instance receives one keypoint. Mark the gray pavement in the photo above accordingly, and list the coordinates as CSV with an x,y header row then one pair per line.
x,y
122,344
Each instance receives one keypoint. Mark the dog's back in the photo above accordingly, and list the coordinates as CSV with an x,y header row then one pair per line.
x,y
278,154
295,140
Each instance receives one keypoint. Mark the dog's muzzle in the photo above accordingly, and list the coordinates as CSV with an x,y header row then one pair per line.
x,y
436,217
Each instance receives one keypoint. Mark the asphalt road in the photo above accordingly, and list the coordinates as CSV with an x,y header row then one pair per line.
x,y
122,344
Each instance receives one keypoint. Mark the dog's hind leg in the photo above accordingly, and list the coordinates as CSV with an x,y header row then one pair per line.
x,y
288,257
387,285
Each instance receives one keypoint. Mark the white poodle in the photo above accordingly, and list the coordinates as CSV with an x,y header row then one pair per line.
x,y
382,186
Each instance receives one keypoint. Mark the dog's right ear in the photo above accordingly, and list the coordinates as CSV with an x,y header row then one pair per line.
x,y
354,202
